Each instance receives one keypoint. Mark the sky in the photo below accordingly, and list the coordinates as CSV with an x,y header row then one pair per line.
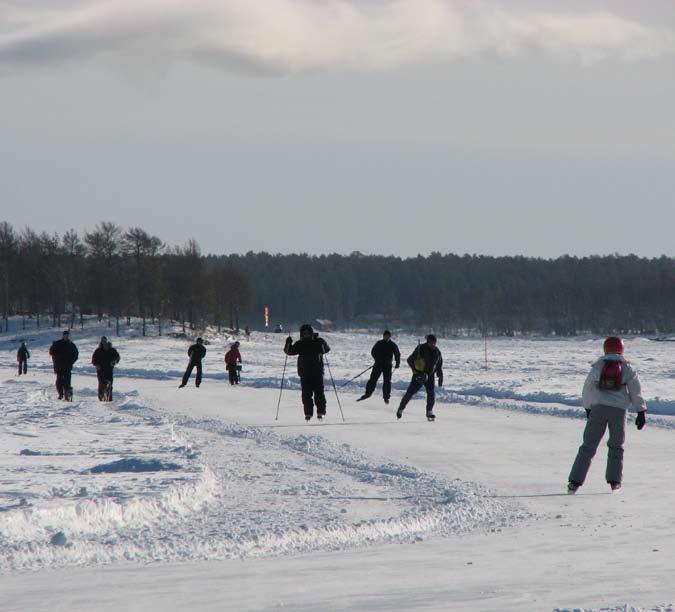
x,y
380,126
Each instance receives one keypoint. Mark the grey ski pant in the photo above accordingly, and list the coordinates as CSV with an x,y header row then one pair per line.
x,y
601,418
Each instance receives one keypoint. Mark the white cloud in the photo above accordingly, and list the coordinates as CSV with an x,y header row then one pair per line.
x,y
286,36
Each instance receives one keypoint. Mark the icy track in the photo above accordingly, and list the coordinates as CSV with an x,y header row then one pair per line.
x,y
89,483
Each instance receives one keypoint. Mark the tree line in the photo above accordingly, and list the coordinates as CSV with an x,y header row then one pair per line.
x,y
119,273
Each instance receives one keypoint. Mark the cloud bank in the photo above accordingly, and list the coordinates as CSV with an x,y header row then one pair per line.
x,y
292,36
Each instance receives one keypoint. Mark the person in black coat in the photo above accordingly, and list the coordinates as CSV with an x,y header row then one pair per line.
x,y
104,359
425,362
22,357
64,354
310,350
384,352
196,353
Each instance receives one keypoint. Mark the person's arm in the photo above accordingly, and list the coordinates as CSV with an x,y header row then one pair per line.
x,y
291,348
324,347
373,352
116,357
397,355
27,354
587,390
635,390
76,354
439,369
94,359
411,359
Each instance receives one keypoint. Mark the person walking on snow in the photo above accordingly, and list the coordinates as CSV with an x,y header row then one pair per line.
x,y
310,350
104,359
425,362
611,387
196,353
64,354
383,352
22,357
232,359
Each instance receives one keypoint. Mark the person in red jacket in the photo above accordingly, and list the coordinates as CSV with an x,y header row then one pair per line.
x,y
232,361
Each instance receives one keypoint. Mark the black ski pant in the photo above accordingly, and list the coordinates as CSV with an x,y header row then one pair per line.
x,y
312,393
105,378
385,371
416,384
63,374
188,372
234,374
23,367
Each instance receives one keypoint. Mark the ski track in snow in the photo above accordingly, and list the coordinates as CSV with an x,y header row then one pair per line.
x,y
219,490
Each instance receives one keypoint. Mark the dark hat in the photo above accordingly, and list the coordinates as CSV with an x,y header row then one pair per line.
x,y
386,332
431,338
306,329
66,332
199,341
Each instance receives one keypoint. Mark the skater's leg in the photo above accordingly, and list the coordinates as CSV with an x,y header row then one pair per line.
x,y
198,379
307,391
25,367
187,374
596,424
617,436
415,385
101,385
372,381
430,385
319,396
386,382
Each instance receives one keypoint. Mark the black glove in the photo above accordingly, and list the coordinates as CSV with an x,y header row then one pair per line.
x,y
396,366
588,413
440,381
289,340
640,420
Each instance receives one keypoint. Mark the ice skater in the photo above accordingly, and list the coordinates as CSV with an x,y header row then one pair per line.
x,y
196,353
611,388
64,354
310,350
104,359
22,357
384,352
233,363
426,363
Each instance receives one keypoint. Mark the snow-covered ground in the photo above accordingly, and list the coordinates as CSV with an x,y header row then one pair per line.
x,y
200,499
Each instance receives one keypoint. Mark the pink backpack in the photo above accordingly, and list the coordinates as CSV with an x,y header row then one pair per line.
x,y
610,377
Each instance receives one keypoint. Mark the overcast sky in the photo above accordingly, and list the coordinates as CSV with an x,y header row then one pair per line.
x,y
383,126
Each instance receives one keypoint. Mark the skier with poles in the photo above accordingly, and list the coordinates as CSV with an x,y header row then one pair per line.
x,y
64,354
22,357
612,386
310,350
104,359
383,352
232,363
425,362
196,353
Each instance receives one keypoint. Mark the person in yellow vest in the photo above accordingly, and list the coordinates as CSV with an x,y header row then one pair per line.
x,y
426,363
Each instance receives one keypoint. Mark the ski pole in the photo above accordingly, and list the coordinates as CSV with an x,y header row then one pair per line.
x,y
276,418
334,387
355,377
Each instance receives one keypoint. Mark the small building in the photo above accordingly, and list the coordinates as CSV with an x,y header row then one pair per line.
x,y
325,325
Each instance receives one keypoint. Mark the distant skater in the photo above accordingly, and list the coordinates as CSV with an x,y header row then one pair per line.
x,y
611,388
64,354
22,357
104,359
384,352
426,363
196,353
232,363
310,350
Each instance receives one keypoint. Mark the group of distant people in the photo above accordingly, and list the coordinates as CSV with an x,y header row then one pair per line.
x,y
611,388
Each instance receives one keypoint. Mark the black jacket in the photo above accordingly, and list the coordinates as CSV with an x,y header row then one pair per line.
x,y
384,351
433,360
196,352
64,353
105,359
310,352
